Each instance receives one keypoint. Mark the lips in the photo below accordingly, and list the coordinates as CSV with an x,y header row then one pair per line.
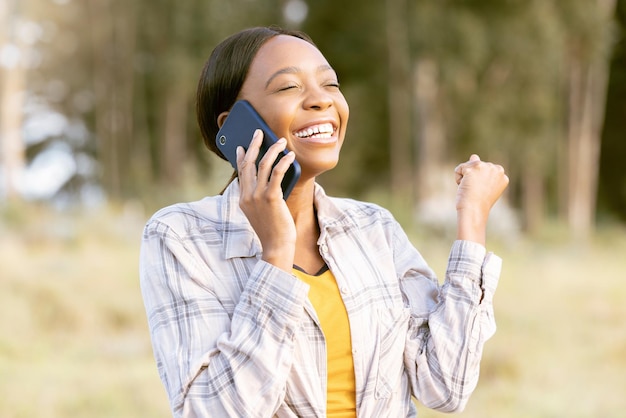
x,y
319,131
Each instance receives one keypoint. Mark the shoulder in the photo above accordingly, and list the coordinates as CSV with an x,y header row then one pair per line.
x,y
183,219
360,208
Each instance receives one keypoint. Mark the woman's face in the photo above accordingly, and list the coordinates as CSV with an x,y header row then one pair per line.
x,y
295,90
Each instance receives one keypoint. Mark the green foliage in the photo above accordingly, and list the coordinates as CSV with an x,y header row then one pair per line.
x,y
499,73
358,53
612,187
125,69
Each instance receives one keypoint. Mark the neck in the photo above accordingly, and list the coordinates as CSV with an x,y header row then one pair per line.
x,y
302,208
300,203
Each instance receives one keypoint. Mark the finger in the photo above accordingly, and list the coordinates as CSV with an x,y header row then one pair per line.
x,y
248,159
278,172
240,155
266,165
254,147
458,173
246,163
458,177
459,168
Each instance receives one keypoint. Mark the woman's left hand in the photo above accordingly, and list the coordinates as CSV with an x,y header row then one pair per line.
x,y
480,186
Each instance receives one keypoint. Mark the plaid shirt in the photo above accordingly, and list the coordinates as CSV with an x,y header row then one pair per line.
x,y
234,336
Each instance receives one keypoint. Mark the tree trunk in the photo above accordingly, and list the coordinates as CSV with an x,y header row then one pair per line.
x,y
399,96
533,198
430,129
587,96
175,133
113,43
12,91
125,42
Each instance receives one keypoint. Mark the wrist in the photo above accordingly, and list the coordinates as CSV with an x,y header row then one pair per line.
x,y
472,226
281,258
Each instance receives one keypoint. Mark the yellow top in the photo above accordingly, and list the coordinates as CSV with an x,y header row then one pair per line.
x,y
331,312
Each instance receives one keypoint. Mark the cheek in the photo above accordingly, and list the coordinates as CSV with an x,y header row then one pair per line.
x,y
344,110
277,120
345,116
279,125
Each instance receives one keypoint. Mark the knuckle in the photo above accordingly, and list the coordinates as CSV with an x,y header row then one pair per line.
x,y
263,164
280,169
244,164
244,203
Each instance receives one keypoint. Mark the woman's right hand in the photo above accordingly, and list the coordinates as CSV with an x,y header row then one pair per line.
x,y
262,202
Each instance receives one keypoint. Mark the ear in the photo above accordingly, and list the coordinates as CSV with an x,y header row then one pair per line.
x,y
221,118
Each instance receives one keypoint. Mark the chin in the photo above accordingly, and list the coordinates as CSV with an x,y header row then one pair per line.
x,y
327,167
317,169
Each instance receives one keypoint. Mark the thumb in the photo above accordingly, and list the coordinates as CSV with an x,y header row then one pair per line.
x,y
474,157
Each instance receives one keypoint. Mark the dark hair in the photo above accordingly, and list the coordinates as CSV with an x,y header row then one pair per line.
x,y
224,74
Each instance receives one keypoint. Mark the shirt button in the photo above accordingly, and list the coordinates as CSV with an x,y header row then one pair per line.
x,y
344,290
324,248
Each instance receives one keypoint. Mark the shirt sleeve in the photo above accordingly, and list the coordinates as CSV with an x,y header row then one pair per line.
x,y
214,363
449,324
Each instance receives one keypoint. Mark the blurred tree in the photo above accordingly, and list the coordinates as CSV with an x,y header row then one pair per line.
x,y
498,68
493,68
147,60
111,25
400,97
358,52
589,39
427,82
12,86
612,185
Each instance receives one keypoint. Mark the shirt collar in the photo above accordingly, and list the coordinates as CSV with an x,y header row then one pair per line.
x,y
330,214
239,239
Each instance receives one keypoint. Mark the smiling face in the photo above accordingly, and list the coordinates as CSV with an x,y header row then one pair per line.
x,y
295,90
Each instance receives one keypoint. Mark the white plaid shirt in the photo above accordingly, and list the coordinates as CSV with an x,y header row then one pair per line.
x,y
234,336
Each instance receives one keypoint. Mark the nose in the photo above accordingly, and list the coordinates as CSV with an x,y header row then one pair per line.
x,y
318,98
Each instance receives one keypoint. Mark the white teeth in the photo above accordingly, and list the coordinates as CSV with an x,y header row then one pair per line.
x,y
324,130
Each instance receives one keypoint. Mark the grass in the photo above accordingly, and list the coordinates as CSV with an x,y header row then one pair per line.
x,y
73,333
560,348
74,339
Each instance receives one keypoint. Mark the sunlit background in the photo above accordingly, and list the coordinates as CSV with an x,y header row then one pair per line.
x,y
98,130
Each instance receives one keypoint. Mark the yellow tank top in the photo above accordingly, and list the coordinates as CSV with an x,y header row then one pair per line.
x,y
331,312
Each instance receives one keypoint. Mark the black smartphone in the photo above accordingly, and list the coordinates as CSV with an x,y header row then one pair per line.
x,y
238,129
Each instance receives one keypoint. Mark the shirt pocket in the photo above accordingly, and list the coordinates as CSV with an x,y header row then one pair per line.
x,y
391,330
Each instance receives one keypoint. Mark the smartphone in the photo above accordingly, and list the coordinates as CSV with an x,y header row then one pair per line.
x,y
238,129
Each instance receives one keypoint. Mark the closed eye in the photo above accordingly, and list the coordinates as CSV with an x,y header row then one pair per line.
x,y
288,87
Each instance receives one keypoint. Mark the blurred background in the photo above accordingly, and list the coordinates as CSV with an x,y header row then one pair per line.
x,y
97,131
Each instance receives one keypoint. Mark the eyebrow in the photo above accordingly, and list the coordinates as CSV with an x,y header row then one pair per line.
x,y
295,70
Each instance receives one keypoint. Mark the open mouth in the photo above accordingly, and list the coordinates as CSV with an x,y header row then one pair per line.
x,y
321,131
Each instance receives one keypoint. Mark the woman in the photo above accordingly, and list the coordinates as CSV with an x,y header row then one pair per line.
x,y
311,306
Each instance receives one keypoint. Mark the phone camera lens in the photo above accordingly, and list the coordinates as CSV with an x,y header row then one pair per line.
x,y
222,140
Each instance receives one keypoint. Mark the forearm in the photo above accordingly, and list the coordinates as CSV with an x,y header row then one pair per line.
x,y
216,360
247,375
449,342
